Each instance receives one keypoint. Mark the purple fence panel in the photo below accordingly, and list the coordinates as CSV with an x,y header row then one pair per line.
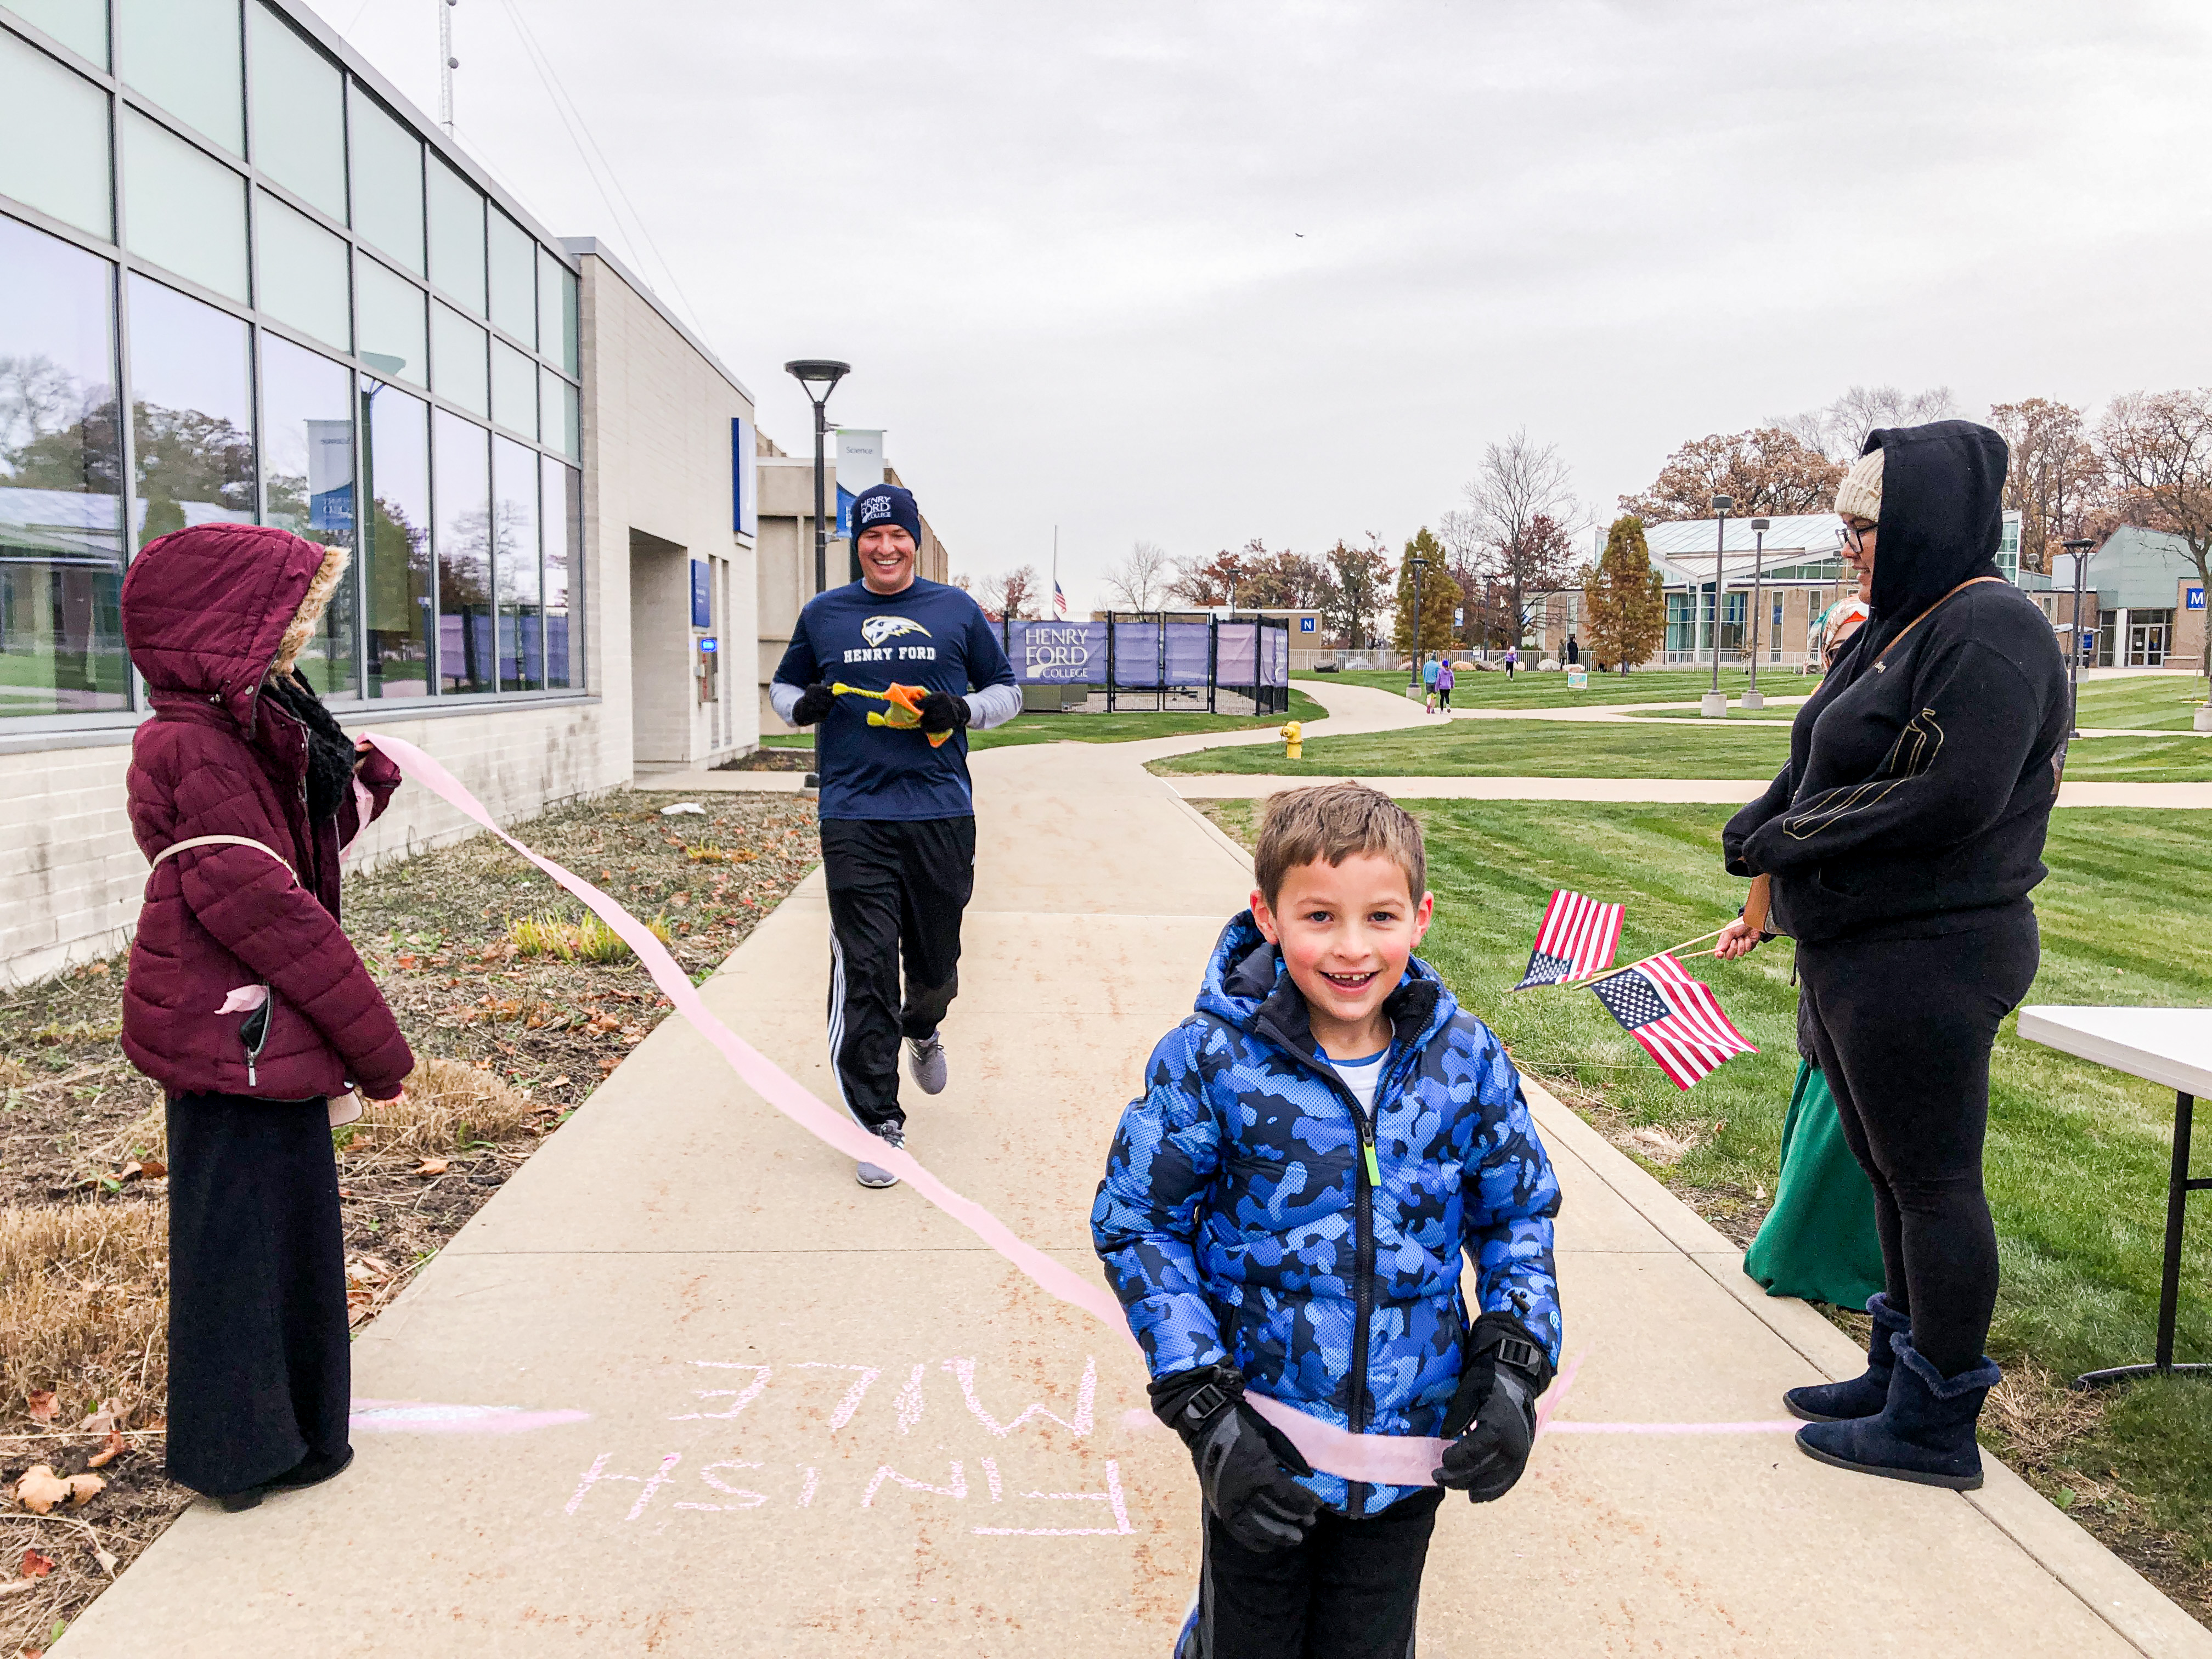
x,y
1278,656
1057,652
1189,656
1239,662
1137,654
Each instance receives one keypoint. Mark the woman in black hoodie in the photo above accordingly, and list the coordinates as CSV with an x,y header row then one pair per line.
x,y
1901,841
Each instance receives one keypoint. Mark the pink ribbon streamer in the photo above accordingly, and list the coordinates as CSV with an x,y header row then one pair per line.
x,y
1383,1460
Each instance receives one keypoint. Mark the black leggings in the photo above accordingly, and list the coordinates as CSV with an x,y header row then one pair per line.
x,y
1902,1030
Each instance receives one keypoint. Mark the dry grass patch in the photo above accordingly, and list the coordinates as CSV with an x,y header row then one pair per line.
x,y
448,1105
84,1297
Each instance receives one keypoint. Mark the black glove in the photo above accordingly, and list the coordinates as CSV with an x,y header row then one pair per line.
x,y
1493,1414
943,712
1242,1458
814,705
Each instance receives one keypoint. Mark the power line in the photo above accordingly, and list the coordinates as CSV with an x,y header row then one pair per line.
x,y
557,92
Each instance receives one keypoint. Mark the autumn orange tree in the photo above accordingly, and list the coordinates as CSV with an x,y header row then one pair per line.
x,y
2055,479
1624,599
1766,470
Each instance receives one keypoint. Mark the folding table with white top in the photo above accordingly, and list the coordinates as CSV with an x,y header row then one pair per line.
x,y
2172,1046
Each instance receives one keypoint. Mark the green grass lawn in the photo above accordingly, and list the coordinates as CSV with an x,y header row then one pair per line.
x,y
2077,1154
1540,748
2162,702
1533,689
1103,728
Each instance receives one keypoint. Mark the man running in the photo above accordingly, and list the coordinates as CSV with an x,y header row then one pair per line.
x,y
898,818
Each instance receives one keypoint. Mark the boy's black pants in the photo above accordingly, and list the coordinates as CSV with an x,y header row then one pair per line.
x,y
897,889
1350,1592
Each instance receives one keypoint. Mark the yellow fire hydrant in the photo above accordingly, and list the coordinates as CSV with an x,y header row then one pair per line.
x,y
1294,747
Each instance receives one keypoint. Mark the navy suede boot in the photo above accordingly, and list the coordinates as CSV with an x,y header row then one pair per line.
x,y
1925,1432
1862,1395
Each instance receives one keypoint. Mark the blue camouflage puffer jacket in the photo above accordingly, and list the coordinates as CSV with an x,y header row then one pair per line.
x,y
1237,1221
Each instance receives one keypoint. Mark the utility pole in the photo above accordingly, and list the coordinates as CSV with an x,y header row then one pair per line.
x,y
1714,704
1752,699
447,64
820,376
2079,548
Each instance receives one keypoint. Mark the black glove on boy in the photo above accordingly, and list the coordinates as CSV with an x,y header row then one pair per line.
x,y
1492,1419
1244,1463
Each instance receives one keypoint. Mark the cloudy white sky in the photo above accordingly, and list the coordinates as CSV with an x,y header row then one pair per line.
x,y
1196,271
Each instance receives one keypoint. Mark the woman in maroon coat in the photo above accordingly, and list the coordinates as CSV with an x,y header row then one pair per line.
x,y
245,1001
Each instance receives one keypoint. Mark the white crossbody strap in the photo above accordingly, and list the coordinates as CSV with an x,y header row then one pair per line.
x,y
219,841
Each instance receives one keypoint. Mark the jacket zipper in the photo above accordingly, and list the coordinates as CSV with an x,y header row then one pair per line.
x,y
1365,1181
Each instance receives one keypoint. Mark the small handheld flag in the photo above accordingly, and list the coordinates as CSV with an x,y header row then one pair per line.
x,y
1674,1017
1576,939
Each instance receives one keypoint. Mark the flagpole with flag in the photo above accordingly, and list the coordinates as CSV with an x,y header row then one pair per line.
x,y
1058,599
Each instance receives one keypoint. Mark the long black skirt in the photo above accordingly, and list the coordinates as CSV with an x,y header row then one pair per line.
x,y
260,1375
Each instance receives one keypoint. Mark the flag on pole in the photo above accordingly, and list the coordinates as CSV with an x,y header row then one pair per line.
x,y
1673,1017
1058,599
1577,936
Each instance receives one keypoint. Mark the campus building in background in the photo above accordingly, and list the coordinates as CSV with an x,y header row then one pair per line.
x,y
241,279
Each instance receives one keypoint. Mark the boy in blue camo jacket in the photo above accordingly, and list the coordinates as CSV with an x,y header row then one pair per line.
x,y
1284,1212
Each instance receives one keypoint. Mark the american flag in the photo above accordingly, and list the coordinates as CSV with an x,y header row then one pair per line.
x,y
1058,599
1577,936
1673,1017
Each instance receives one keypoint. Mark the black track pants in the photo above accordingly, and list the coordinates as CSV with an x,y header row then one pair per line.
x,y
260,1372
897,890
1350,1592
1902,1030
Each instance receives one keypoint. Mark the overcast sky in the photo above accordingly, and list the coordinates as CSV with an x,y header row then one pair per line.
x,y
1196,272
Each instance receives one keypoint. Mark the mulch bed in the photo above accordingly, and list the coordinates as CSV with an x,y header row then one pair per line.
x,y
79,1127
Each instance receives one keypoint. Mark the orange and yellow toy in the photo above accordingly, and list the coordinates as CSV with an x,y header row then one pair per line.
x,y
904,713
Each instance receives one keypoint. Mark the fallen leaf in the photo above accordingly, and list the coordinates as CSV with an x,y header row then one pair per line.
x,y
560,1082
42,1404
108,1453
35,1565
432,1166
131,1171
84,1488
154,1168
39,1492
107,1558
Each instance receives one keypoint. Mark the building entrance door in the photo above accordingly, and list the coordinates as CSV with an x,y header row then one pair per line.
x,y
2148,641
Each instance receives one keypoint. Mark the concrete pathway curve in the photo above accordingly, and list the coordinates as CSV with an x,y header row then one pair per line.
x,y
683,1389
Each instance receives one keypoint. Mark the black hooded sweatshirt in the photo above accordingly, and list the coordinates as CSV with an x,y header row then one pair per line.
x,y
1921,773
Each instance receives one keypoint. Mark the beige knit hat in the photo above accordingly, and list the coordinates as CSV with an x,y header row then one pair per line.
x,y
1859,496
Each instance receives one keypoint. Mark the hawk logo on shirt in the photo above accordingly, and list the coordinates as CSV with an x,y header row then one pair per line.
x,y
876,629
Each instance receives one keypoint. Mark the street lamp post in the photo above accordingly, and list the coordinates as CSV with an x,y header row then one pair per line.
x,y
822,373
1417,566
1752,699
1714,704
2080,549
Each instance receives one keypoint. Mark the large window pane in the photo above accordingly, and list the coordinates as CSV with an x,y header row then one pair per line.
x,y
306,435
61,463
182,208
80,25
191,412
186,56
514,514
562,519
53,138
299,114
303,274
394,329
557,415
514,279
513,389
387,182
457,237
464,545
457,360
395,584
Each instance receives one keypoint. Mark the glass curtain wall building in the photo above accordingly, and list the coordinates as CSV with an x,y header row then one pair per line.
x,y
313,316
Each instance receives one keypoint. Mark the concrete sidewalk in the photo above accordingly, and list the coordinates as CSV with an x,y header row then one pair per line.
x,y
759,1411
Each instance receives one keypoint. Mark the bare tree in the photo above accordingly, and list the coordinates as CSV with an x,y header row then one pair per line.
x,y
1838,429
1522,502
2056,480
1140,581
2157,447
1012,597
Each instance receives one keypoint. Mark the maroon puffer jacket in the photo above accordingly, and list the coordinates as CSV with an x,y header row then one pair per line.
x,y
202,612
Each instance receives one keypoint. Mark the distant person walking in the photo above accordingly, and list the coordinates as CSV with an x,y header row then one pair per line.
x,y
1512,659
1902,840
898,816
1574,652
246,1001
1444,686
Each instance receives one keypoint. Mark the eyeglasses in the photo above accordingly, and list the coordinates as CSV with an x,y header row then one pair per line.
x,y
1851,538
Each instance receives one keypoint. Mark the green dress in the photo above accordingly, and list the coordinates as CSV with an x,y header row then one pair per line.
x,y
1819,1241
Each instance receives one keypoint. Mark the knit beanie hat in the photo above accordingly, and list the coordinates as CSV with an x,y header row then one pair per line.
x,y
1859,496
882,504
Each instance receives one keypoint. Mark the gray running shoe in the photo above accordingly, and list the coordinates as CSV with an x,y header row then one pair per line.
x,y
870,1175
925,1059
